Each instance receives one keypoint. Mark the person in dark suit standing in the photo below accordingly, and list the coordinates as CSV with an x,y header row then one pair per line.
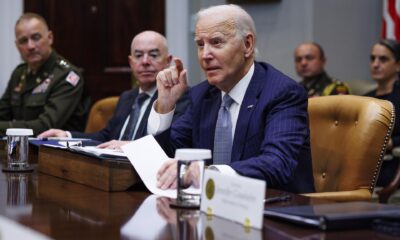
x,y
149,55
253,117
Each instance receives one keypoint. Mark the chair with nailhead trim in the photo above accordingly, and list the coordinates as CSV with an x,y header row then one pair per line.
x,y
349,135
100,113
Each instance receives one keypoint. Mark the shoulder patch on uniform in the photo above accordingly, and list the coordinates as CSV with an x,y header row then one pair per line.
x,y
73,78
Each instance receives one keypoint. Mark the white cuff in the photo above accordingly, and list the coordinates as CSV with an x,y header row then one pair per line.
x,y
69,135
158,122
224,169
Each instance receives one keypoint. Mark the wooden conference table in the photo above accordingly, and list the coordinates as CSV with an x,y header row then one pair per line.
x,y
65,210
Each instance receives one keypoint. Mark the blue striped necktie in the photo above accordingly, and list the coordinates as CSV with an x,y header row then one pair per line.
x,y
134,116
223,133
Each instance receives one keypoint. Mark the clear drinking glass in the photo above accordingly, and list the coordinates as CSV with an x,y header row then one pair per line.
x,y
18,149
190,175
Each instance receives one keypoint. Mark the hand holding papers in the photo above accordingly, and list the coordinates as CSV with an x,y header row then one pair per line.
x,y
147,157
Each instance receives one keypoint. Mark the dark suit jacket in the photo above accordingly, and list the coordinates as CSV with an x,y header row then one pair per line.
x,y
271,140
124,105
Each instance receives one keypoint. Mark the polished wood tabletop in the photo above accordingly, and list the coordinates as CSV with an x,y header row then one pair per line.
x,y
65,210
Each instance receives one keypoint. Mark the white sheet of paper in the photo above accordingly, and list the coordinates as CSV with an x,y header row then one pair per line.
x,y
147,156
13,230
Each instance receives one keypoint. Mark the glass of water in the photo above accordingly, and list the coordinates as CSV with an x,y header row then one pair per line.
x,y
18,149
190,175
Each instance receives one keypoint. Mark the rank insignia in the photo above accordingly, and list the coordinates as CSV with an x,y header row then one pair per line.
x,y
63,63
73,78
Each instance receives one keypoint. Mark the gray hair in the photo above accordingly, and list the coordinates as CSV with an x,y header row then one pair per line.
x,y
244,22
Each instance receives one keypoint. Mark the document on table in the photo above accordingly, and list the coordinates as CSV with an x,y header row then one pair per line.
x,y
99,152
63,144
89,148
147,156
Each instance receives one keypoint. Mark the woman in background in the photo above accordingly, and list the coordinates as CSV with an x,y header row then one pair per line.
x,y
385,68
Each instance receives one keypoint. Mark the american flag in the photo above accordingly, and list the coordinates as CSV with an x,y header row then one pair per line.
x,y
391,20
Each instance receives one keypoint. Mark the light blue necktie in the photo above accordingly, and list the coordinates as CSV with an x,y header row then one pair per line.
x,y
223,133
134,116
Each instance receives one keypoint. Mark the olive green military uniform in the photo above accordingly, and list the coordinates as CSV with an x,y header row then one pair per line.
x,y
323,85
54,97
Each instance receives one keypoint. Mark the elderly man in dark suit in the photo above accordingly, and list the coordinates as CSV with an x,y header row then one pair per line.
x,y
149,55
253,117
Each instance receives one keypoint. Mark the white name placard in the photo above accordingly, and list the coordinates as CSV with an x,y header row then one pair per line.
x,y
237,198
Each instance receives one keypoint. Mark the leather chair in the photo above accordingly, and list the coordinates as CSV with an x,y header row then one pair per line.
x,y
100,114
349,135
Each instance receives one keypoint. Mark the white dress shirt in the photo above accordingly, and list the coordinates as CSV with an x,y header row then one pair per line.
x,y
143,108
142,111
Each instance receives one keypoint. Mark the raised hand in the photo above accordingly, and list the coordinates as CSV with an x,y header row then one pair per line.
x,y
171,84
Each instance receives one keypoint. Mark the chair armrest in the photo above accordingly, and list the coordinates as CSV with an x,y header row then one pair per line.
x,y
343,196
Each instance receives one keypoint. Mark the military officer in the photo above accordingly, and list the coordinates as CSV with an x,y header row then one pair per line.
x,y
310,62
46,91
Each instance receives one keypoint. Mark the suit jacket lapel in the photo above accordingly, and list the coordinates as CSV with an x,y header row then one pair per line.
x,y
246,110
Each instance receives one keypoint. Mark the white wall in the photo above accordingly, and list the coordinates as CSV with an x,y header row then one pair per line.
x,y
180,35
280,27
355,28
346,30
10,10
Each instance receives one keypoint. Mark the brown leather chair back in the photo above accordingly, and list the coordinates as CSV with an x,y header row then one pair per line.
x,y
348,140
100,114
